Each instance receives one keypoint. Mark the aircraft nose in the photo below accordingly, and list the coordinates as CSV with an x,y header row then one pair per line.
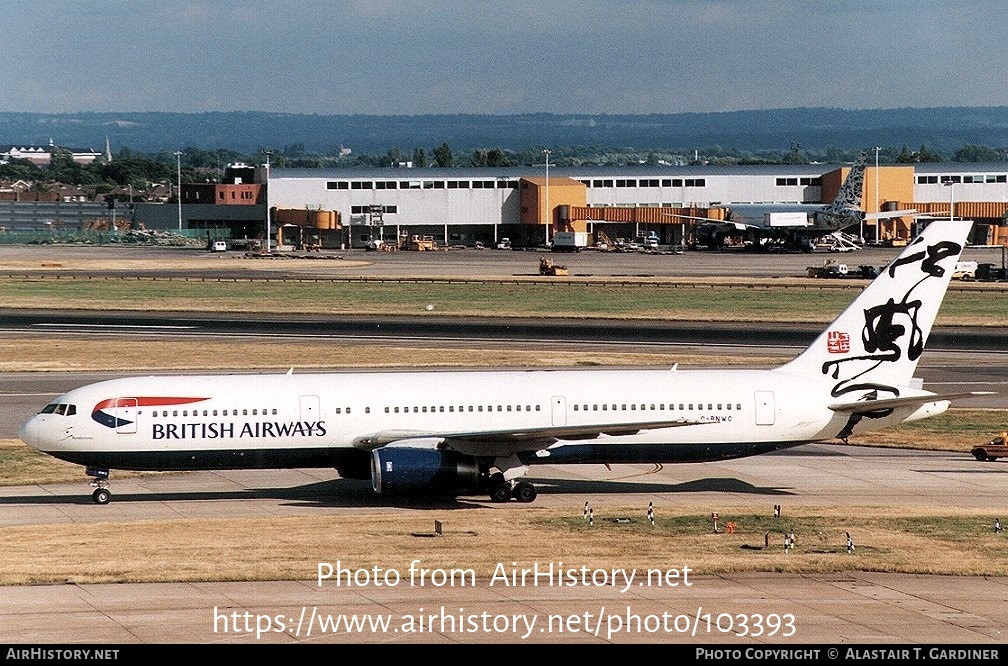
x,y
29,432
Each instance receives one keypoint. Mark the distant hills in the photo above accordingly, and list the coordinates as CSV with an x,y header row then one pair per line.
x,y
817,131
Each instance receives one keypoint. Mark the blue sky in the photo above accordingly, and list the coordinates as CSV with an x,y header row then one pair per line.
x,y
437,56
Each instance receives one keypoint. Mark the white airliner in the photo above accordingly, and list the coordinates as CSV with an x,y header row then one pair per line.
x,y
479,431
796,225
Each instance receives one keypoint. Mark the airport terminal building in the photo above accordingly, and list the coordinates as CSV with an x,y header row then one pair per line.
x,y
463,206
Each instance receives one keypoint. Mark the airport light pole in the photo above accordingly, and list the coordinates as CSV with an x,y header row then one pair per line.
x,y
178,168
267,153
878,220
547,153
949,183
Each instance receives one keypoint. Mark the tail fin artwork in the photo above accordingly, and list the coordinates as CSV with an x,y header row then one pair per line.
x,y
845,210
868,355
852,188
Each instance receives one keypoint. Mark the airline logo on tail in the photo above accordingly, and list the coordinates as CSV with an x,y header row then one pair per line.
x,y
114,421
838,342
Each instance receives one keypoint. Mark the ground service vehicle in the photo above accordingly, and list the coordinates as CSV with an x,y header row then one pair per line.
x,y
992,450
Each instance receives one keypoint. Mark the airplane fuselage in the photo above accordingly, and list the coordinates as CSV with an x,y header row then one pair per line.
x,y
325,420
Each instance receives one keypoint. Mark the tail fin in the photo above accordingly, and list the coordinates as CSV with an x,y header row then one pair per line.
x,y
849,195
875,344
845,210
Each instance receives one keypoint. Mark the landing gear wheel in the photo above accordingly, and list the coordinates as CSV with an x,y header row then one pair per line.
x,y
524,491
501,493
101,496
499,489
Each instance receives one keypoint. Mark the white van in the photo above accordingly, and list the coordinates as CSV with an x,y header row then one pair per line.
x,y
965,270
218,246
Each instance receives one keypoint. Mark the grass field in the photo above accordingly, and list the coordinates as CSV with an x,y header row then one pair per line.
x,y
701,300
949,541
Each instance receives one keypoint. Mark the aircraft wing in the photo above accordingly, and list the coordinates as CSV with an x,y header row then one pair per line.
x,y
505,442
867,406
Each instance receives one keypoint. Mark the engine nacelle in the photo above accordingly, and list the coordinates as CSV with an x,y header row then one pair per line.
x,y
399,470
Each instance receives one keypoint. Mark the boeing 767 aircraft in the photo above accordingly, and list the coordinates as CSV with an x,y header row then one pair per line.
x,y
794,225
480,431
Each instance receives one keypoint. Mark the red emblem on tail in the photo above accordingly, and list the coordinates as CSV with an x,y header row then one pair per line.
x,y
837,342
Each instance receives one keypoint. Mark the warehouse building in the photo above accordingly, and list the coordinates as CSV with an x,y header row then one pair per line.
x,y
463,206
333,208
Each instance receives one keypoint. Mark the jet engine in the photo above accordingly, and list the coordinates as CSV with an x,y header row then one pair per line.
x,y
404,471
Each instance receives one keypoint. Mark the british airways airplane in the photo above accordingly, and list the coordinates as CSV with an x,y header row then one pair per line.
x,y
479,431
798,230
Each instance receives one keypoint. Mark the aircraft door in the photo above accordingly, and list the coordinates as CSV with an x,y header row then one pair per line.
x,y
559,410
310,408
764,408
126,415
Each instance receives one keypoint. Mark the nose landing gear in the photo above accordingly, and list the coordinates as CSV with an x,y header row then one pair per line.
x,y
99,481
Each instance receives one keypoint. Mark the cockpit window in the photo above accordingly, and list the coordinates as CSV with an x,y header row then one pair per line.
x,y
59,408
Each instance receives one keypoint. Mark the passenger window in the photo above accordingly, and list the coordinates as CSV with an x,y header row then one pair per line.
x,y
339,410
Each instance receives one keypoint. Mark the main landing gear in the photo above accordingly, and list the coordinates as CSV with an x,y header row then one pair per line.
x,y
502,490
99,481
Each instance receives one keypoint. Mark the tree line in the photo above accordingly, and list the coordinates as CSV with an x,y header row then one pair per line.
x,y
139,170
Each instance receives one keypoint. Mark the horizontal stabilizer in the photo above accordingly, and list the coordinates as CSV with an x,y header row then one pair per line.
x,y
867,406
888,214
